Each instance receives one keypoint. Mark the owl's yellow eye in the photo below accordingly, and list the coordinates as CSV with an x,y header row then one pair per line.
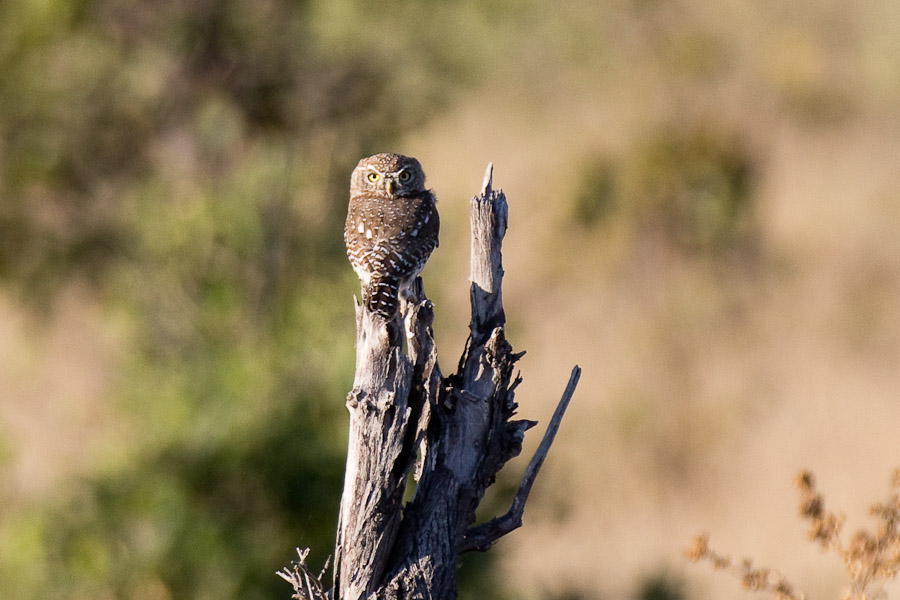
x,y
404,176
373,177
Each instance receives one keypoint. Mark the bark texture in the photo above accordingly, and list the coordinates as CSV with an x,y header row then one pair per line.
x,y
456,431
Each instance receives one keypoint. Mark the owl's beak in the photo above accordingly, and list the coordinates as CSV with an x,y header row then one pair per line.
x,y
389,184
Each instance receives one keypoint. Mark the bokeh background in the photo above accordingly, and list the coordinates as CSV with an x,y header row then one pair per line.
x,y
705,215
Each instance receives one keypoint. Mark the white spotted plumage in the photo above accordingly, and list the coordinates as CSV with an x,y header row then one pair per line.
x,y
392,227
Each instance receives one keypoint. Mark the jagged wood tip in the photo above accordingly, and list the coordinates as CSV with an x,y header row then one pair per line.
x,y
488,180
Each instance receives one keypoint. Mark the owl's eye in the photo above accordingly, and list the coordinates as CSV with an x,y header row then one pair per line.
x,y
373,177
404,176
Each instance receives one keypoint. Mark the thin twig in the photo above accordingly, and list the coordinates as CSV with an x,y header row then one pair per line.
x,y
481,537
306,585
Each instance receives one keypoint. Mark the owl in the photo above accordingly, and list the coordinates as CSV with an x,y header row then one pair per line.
x,y
391,228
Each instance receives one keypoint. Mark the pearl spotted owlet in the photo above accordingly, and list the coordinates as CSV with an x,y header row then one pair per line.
x,y
392,227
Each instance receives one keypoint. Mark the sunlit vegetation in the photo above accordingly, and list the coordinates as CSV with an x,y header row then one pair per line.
x,y
186,162
703,215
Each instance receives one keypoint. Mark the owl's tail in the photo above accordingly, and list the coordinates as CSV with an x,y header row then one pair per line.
x,y
381,296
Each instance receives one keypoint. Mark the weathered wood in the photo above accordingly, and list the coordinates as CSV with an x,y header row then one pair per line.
x,y
460,426
488,215
379,456
483,536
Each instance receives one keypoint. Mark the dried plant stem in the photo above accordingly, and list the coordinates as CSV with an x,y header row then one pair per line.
x,y
870,558
307,586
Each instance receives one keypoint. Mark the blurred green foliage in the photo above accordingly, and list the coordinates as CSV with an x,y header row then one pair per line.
x,y
661,586
691,188
189,161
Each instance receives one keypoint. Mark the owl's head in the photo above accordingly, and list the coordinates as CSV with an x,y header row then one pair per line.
x,y
388,174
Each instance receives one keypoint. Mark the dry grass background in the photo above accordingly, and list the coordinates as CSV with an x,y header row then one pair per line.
x,y
869,556
708,382
704,391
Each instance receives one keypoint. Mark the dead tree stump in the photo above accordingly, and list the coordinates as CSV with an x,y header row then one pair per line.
x,y
456,431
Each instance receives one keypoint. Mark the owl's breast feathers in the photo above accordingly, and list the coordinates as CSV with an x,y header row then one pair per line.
x,y
391,237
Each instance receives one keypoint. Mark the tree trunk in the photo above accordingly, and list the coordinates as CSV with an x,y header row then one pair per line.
x,y
460,428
